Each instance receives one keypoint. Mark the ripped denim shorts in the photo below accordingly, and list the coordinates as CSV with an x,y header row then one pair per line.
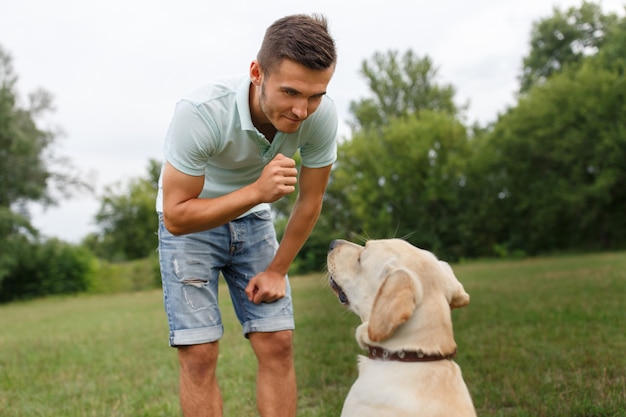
x,y
191,266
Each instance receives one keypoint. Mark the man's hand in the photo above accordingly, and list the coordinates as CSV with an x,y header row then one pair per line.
x,y
266,287
278,179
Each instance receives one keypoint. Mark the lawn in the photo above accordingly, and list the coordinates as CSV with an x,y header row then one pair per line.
x,y
541,337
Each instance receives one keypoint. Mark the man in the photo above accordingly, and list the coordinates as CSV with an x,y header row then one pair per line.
x,y
227,156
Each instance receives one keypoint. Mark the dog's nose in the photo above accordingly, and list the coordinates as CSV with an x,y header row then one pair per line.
x,y
333,245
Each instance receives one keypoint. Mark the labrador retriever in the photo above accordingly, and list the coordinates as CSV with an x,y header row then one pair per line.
x,y
404,296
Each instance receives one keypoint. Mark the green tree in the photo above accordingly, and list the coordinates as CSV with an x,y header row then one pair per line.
x,y
401,85
546,175
477,217
403,181
398,173
562,153
30,171
613,52
23,173
563,39
127,219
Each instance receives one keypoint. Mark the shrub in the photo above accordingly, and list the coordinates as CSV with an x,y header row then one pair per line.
x,y
48,268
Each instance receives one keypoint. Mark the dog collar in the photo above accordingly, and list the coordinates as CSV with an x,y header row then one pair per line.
x,y
381,354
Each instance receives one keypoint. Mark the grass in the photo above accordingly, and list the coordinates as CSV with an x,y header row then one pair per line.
x,y
541,337
546,337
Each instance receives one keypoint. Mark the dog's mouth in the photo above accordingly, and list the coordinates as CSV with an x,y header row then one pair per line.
x,y
343,298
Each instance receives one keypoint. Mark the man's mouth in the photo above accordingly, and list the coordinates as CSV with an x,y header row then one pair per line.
x,y
292,118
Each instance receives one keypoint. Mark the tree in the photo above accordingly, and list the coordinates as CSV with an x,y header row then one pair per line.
x,y
398,173
563,39
23,173
403,182
548,174
128,219
613,52
29,172
401,85
562,152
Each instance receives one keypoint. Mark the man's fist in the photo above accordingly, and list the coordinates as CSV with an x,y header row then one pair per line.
x,y
278,178
266,287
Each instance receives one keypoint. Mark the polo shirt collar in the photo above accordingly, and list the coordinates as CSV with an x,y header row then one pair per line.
x,y
243,105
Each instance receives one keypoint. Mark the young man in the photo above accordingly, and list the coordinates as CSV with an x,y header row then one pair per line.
x,y
227,156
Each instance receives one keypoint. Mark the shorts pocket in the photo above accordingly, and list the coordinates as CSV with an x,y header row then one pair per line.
x,y
262,215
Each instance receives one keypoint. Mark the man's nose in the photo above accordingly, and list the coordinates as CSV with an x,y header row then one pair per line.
x,y
301,109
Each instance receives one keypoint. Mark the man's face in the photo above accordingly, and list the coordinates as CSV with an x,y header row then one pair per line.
x,y
290,94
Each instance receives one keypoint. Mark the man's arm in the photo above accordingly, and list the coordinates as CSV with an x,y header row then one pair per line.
x,y
184,212
306,211
270,284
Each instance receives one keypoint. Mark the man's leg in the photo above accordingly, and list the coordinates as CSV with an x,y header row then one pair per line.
x,y
276,378
200,394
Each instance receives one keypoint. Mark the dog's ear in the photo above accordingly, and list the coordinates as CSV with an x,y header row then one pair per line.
x,y
394,304
459,298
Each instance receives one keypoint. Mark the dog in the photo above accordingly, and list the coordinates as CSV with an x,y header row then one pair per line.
x,y
403,296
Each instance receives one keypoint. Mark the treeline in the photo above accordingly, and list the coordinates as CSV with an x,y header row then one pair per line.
x,y
549,174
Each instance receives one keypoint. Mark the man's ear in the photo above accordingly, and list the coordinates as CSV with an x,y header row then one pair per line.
x,y
256,73
395,302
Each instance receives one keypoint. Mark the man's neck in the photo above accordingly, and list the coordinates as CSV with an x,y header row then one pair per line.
x,y
258,118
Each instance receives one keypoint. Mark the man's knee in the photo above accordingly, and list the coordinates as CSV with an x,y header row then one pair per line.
x,y
198,361
273,345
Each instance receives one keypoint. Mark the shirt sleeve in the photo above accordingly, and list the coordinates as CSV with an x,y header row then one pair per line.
x,y
320,148
191,139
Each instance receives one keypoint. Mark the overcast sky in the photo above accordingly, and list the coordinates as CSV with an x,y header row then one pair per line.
x,y
116,68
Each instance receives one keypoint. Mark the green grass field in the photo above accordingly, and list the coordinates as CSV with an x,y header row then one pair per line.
x,y
541,337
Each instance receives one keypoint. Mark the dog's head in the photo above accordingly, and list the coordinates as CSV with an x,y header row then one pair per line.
x,y
386,282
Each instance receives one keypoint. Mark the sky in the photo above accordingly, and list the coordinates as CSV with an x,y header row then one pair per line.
x,y
116,68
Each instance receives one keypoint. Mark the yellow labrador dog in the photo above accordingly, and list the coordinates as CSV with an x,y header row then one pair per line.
x,y
403,296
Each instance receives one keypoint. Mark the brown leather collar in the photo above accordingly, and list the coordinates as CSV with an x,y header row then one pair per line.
x,y
381,354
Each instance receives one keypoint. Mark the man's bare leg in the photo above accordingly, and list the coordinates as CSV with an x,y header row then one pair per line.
x,y
200,394
276,379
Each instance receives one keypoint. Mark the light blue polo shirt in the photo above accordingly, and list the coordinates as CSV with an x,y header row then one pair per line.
x,y
211,134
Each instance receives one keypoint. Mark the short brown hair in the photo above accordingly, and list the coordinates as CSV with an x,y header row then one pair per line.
x,y
302,38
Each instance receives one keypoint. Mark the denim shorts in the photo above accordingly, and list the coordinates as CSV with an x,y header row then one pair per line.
x,y
191,266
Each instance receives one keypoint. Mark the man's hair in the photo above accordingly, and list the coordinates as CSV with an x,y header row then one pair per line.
x,y
301,38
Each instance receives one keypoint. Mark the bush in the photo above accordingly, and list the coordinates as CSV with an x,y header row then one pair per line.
x,y
48,268
127,276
